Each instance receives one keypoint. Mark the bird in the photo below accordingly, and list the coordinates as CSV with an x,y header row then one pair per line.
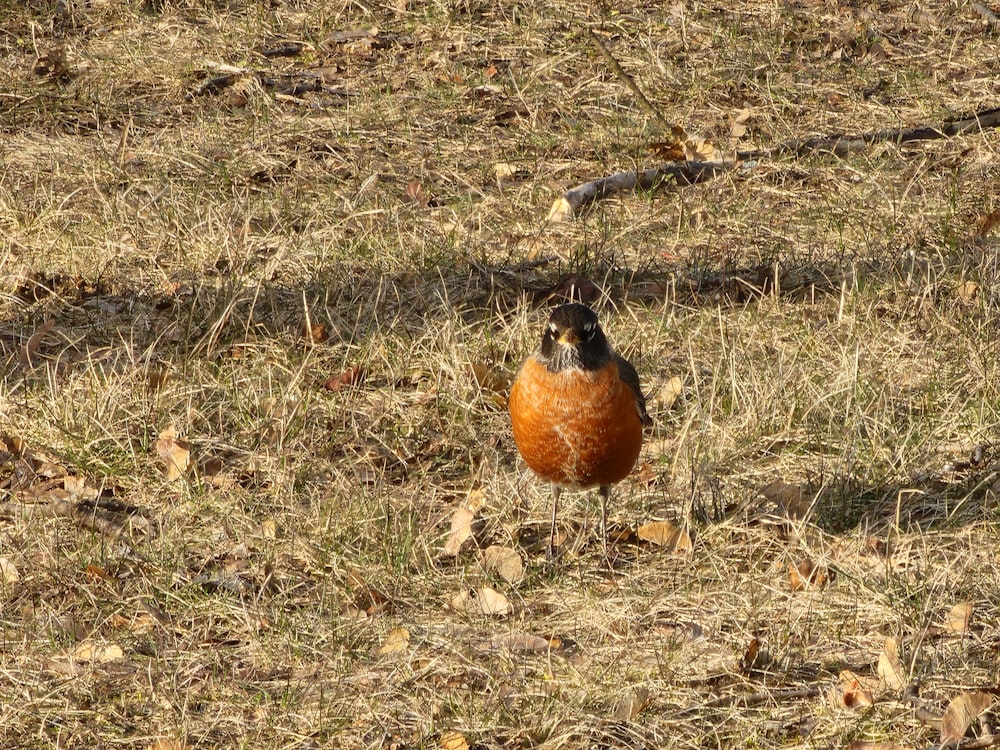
x,y
577,410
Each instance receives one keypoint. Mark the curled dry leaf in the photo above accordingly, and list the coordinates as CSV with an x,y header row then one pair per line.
x,y
524,643
890,669
987,222
461,531
560,211
854,691
350,376
174,453
30,348
505,561
482,601
631,704
668,394
807,574
791,498
960,713
398,640
667,535
452,740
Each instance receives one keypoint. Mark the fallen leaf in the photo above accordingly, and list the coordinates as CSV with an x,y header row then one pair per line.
x,y
754,658
97,652
957,620
665,534
175,454
349,377
452,740
314,333
791,498
807,574
853,691
890,669
414,193
738,128
505,561
960,713
8,571
865,745
524,643
489,378
483,601
461,530
560,211
490,71
631,704
986,223
668,394
167,744
34,341
396,641
967,291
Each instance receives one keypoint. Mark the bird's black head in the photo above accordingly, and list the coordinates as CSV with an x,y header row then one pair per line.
x,y
573,339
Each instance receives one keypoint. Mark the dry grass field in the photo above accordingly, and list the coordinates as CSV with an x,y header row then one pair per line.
x,y
266,270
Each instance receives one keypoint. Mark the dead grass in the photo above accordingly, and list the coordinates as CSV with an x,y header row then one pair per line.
x,y
179,241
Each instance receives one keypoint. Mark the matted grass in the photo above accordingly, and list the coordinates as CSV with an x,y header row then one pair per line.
x,y
169,242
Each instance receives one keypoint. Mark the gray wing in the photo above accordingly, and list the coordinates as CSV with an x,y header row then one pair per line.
x,y
631,378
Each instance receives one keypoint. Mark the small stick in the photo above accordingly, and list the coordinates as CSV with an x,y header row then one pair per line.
x,y
627,80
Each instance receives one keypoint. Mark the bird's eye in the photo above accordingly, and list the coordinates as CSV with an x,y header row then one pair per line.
x,y
588,330
553,329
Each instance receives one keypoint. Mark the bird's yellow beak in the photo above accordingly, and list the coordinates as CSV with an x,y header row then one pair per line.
x,y
569,337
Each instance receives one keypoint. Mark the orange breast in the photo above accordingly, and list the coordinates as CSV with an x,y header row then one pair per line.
x,y
575,427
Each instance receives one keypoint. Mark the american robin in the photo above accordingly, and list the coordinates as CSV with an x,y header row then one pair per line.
x,y
577,410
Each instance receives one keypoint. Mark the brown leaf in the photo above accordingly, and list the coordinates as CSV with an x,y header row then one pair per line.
x,y
482,601
865,745
807,574
960,713
8,571
668,394
560,211
524,643
505,561
853,691
890,669
452,740
490,71
791,498
414,193
175,454
397,641
349,377
99,653
489,378
957,620
986,223
314,333
29,350
631,704
169,744
966,292
461,530
666,534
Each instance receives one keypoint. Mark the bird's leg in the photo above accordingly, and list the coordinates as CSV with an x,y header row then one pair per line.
x,y
604,492
551,550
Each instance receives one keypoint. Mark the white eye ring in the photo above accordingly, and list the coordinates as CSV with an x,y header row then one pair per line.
x,y
588,327
553,328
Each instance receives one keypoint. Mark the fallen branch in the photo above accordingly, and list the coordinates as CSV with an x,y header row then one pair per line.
x,y
692,172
